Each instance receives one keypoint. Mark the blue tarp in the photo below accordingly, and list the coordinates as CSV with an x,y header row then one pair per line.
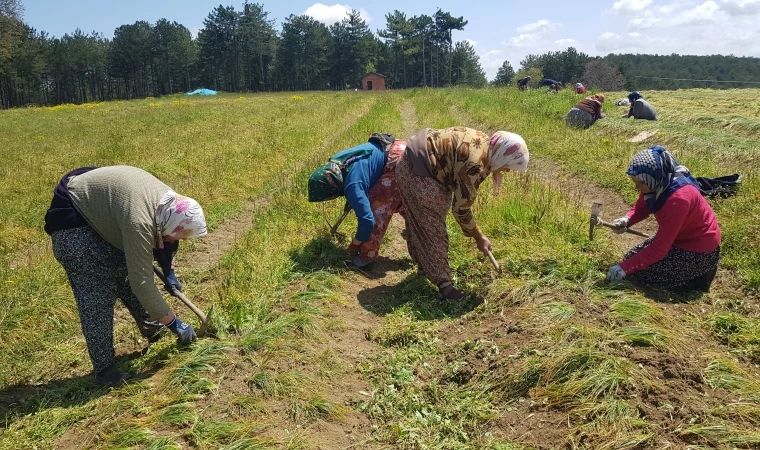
x,y
202,92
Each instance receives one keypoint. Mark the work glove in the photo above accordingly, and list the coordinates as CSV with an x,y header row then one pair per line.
x,y
616,273
185,333
172,283
151,330
165,256
620,225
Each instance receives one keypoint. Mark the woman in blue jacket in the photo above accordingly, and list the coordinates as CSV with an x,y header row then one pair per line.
x,y
369,185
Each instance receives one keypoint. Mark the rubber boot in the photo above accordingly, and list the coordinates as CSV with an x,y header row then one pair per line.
x,y
112,376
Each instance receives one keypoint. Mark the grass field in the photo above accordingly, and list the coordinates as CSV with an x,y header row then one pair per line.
x,y
306,353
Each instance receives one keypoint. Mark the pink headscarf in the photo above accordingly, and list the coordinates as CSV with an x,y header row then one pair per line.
x,y
179,217
507,150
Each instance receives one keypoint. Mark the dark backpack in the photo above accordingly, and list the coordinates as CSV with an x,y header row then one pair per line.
x,y
326,182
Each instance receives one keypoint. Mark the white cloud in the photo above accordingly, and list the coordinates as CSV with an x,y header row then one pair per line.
x,y
631,6
616,43
194,31
741,7
541,26
334,13
523,40
701,15
566,42
473,43
643,23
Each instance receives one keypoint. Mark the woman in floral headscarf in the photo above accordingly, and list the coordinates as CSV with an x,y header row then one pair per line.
x,y
107,224
440,164
686,249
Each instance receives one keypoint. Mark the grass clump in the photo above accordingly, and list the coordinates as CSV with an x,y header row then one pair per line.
x,y
191,376
741,334
131,437
179,414
401,329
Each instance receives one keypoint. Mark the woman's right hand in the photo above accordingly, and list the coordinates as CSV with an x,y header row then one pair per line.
x,y
353,248
484,244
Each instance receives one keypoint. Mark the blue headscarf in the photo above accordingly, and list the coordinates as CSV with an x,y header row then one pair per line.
x,y
656,167
633,96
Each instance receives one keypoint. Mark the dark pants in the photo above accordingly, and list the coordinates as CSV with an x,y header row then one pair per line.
x,y
97,272
678,269
579,118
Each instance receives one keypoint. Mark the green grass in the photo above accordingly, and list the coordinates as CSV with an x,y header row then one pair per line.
x,y
545,343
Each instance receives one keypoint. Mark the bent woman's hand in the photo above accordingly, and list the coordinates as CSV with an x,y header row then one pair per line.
x,y
484,244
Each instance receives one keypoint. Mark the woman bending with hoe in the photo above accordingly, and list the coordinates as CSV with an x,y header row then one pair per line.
x,y
686,249
365,174
107,224
442,163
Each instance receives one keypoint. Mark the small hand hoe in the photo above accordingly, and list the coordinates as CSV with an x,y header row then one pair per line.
x,y
175,293
595,220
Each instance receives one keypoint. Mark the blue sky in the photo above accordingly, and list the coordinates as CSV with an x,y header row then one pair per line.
x,y
499,29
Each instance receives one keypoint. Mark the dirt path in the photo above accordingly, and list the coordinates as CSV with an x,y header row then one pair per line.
x,y
211,248
366,295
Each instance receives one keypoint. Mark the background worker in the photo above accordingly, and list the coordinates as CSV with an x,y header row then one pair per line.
x,y
640,108
551,85
586,112
106,226
368,181
440,164
580,88
522,83
686,249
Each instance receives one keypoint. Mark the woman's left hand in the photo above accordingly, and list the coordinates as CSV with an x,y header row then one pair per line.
x,y
484,244
616,273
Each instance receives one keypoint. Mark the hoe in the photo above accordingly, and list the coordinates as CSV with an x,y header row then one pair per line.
x,y
175,293
334,228
595,220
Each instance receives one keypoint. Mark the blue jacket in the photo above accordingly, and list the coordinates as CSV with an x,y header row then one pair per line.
x,y
363,175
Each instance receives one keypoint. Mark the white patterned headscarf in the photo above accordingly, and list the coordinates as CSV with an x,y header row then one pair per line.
x,y
507,150
179,217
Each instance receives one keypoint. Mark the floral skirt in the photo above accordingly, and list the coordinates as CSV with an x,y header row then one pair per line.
x,y
385,200
678,269
426,204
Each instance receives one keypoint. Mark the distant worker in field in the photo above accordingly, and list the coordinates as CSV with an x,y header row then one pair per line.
x,y
551,85
586,112
107,225
684,253
440,164
366,176
640,108
522,83
579,88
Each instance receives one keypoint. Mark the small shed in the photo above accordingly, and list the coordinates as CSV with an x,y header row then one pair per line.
x,y
373,82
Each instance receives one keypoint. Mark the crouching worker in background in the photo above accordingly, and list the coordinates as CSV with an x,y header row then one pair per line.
x,y
586,112
107,224
442,171
684,253
366,176
640,108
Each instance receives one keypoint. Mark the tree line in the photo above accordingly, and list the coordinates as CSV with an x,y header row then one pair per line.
x,y
636,72
236,50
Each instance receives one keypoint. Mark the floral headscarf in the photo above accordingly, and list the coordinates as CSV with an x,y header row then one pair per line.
x,y
507,150
179,217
